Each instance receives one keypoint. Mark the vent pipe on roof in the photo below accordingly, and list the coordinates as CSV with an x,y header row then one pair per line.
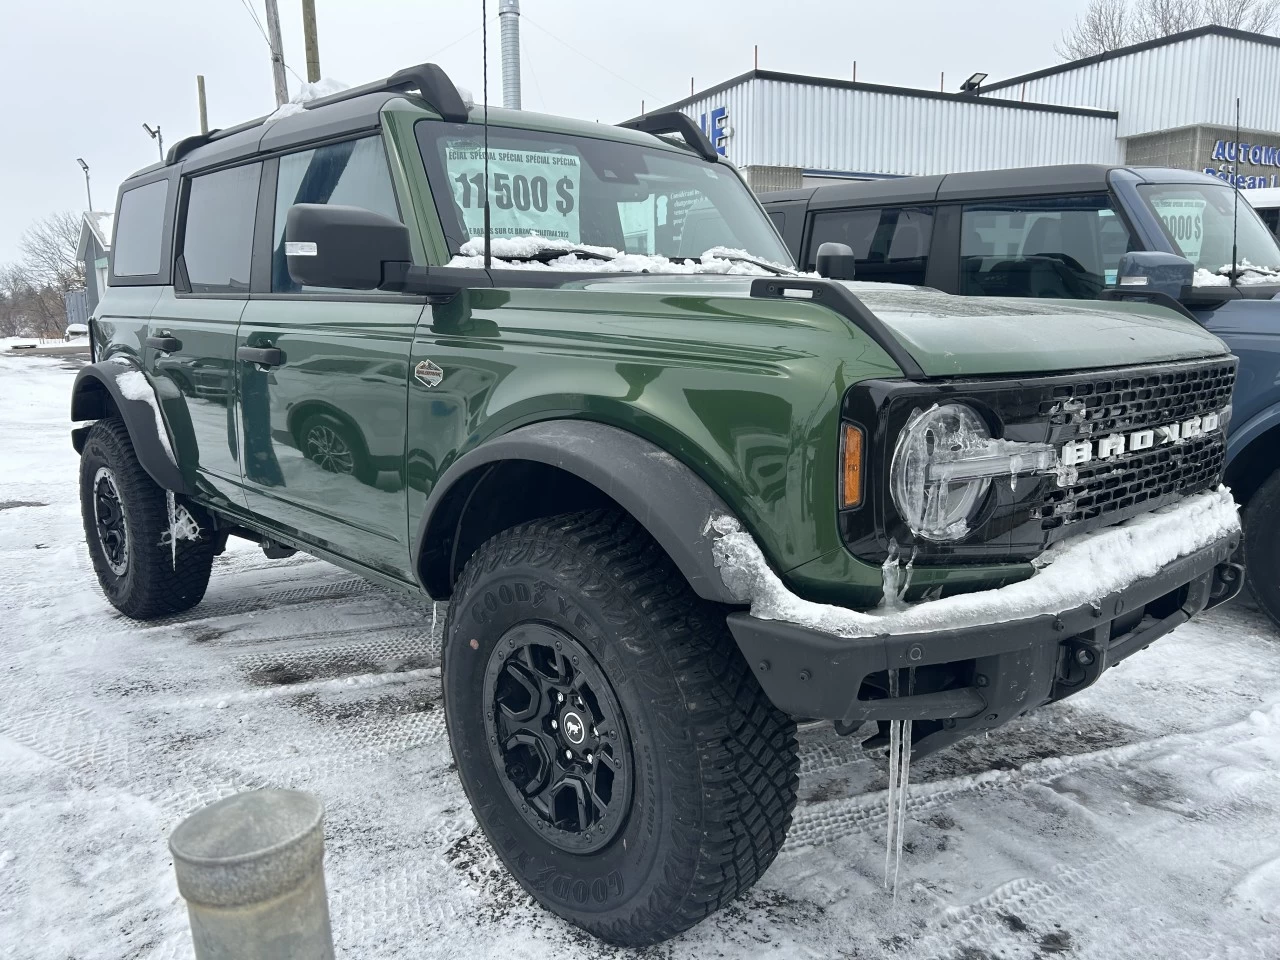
x,y
509,20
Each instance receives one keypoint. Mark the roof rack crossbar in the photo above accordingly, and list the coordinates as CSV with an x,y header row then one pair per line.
x,y
676,122
431,82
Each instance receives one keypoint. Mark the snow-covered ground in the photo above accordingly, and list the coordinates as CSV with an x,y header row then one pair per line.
x,y
1139,820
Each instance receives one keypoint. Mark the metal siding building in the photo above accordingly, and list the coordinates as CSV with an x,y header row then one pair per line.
x,y
1169,102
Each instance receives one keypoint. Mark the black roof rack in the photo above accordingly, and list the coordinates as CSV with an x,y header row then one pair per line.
x,y
676,122
431,82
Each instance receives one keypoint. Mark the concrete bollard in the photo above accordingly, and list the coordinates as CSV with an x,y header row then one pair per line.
x,y
251,868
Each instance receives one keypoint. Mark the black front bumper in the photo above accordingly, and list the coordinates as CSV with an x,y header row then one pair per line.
x,y
976,678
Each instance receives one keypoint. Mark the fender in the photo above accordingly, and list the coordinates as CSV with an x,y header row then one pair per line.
x,y
664,496
1251,429
96,390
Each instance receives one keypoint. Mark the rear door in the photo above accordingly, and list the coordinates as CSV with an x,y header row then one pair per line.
x,y
324,427
191,337
890,244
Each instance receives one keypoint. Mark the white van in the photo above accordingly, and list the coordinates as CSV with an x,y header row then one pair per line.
x,y
1267,202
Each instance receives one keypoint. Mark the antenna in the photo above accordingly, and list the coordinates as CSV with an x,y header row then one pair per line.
x,y
1235,216
484,26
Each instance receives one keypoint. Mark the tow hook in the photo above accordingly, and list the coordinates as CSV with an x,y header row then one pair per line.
x,y
1228,580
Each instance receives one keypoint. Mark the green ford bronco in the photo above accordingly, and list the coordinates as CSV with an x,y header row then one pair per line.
x,y
677,495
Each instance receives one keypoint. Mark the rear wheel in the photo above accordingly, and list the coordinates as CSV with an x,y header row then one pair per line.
x,y
127,530
335,447
1262,546
617,752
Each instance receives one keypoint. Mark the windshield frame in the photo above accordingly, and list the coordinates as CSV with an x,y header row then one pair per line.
x,y
428,133
1249,219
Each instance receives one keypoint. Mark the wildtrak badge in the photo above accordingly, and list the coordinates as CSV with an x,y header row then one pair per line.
x,y
1106,448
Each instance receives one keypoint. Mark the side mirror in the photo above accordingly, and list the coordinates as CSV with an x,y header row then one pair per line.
x,y
328,245
835,261
1148,271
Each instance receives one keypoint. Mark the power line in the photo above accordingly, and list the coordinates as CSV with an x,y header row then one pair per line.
x,y
533,73
447,46
525,18
265,39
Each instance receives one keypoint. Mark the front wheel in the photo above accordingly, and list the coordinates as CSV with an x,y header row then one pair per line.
x,y
615,748
1262,546
129,533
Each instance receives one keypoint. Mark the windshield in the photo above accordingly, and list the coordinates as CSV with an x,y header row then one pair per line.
x,y
1198,219
591,193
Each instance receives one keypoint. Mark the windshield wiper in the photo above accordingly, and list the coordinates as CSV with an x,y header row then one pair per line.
x,y
550,253
740,258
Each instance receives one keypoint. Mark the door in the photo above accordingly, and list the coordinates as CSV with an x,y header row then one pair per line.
x,y
191,336
323,411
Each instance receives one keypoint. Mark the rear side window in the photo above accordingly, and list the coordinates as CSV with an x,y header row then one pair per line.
x,y
890,244
1065,247
139,230
217,240
353,173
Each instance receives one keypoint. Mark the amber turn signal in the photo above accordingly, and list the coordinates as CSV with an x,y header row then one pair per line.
x,y
850,466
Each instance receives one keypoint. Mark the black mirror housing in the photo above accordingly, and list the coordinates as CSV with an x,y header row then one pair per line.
x,y
329,245
835,261
1151,271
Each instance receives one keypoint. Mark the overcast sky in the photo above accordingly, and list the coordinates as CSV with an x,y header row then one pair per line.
x,y
78,78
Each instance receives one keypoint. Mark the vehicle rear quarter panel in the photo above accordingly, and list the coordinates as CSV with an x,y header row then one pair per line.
x,y
745,392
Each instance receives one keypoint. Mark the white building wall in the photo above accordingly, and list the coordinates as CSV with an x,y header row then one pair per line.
x,y
859,130
1181,84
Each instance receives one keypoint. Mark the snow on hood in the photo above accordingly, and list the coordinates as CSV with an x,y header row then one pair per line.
x,y
718,260
1072,573
324,87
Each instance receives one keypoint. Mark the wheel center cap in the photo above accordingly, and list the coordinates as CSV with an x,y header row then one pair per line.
x,y
575,731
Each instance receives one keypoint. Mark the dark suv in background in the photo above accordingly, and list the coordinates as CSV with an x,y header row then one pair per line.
x,y
1086,232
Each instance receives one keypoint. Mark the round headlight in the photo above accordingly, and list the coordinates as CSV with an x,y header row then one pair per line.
x,y
933,497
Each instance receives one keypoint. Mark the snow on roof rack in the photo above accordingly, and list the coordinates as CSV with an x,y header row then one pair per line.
x,y
431,82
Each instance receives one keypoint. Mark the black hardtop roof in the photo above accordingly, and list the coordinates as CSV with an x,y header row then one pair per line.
x,y
359,108
980,184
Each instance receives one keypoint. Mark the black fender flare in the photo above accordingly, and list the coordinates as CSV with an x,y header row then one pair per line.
x,y
664,495
97,382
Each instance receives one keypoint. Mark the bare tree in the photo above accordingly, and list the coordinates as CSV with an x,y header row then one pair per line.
x,y
1109,24
49,252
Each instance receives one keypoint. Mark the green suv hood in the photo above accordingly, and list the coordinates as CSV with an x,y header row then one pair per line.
x,y
978,336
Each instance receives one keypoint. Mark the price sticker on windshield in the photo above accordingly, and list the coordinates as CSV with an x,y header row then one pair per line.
x,y
532,191
1184,219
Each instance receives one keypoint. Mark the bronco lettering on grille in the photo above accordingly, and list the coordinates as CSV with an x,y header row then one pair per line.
x,y
1082,451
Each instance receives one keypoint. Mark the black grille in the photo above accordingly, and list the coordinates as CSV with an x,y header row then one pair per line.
x,y
1111,486
1137,400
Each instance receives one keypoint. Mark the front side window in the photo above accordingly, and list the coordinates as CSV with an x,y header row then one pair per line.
x,y
1063,247
1271,217
890,244
217,238
1200,220
139,230
353,173
580,190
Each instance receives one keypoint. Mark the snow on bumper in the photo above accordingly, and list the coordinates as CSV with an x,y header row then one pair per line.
x,y
1078,571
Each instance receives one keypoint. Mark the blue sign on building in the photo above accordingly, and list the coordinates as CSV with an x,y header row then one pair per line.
x,y
718,131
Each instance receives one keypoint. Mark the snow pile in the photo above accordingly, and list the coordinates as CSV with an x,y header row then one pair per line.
x,y
1075,572
1246,274
134,385
718,260
324,87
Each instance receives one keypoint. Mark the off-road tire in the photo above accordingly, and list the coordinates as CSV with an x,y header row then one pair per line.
x,y
715,763
153,583
1262,546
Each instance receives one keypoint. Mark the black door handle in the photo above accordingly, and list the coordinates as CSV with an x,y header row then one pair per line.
x,y
165,344
263,356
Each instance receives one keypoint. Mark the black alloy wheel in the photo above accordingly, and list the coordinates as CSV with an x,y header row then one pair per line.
x,y
557,732
108,511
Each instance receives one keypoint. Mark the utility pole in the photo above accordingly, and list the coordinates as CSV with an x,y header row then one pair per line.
x,y
204,112
87,192
309,36
277,53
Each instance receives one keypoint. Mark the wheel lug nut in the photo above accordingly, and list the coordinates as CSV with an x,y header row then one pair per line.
x,y
554,725
590,758
568,754
559,698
